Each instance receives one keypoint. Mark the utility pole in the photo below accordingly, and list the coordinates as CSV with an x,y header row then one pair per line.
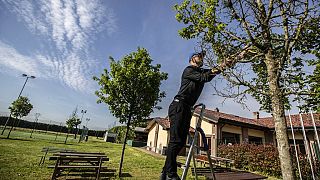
x,y
35,123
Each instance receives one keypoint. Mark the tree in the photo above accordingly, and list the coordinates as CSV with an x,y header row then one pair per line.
x,y
270,33
121,133
73,121
19,108
77,123
131,89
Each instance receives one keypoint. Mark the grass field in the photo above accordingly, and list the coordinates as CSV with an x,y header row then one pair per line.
x,y
20,156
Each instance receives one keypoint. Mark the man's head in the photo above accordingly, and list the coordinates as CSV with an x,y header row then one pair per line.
x,y
196,59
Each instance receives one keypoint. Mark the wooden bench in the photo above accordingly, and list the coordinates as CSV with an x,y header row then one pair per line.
x,y
217,161
78,160
50,149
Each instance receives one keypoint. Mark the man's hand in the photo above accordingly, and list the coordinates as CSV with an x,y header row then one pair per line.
x,y
230,62
215,71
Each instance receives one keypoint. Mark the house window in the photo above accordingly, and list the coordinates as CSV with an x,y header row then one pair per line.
x,y
209,143
255,140
299,144
230,138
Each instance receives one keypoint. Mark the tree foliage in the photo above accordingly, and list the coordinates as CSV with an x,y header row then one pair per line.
x,y
311,45
73,120
131,87
21,107
121,132
289,29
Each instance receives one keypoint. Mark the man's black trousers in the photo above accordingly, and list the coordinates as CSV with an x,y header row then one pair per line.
x,y
180,117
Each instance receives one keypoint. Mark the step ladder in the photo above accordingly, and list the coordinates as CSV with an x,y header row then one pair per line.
x,y
193,147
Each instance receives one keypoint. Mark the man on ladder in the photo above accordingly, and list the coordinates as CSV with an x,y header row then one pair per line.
x,y
192,83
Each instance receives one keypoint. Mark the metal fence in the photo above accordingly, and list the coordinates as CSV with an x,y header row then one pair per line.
x,y
33,126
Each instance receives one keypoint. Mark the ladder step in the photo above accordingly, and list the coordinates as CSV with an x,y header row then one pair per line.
x,y
180,164
200,148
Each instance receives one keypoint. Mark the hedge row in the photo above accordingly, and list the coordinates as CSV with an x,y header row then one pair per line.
x,y
264,158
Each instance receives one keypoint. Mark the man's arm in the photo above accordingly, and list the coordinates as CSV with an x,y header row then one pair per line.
x,y
229,62
194,75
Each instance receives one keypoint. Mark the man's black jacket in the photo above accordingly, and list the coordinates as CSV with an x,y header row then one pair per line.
x,y
192,82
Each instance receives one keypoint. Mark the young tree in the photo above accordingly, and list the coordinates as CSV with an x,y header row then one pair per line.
x,y
131,89
20,108
77,123
70,125
121,133
270,33
73,121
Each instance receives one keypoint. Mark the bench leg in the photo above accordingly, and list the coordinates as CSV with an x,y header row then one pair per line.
x,y
56,169
43,157
99,169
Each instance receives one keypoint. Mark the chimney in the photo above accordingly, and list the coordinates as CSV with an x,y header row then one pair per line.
x,y
256,115
217,109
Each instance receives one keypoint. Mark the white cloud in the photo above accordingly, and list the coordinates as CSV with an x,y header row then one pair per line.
x,y
70,72
11,59
71,27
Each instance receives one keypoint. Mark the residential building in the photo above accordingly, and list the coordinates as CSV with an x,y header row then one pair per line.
x,y
223,128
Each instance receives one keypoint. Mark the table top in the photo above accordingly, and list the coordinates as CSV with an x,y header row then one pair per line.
x,y
79,154
79,158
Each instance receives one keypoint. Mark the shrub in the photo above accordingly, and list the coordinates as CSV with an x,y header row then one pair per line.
x,y
263,158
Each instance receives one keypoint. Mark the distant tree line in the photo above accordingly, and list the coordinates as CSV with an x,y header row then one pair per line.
x,y
45,127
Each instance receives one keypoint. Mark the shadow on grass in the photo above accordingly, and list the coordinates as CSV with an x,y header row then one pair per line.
x,y
89,174
15,139
125,175
74,144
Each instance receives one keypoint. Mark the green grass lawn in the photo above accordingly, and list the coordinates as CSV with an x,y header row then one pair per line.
x,y
20,156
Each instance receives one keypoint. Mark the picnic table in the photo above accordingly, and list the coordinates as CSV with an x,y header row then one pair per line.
x,y
50,149
78,160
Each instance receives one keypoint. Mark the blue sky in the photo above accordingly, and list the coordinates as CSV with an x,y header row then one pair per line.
x,y
64,43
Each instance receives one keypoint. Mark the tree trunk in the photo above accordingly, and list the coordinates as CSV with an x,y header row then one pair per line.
x,y
15,119
76,132
65,141
279,116
124,146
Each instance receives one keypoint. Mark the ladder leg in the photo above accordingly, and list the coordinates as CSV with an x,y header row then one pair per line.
x,y
186,167
194,166
211,165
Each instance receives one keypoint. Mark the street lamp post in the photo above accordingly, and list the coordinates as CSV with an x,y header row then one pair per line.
x,y
27,77
88,119
83,112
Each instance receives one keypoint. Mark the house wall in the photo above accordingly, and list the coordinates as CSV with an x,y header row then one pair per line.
x,y
162,140
151,137
205,126
193,121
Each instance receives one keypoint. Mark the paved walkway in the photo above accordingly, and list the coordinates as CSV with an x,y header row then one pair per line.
x,y
143,149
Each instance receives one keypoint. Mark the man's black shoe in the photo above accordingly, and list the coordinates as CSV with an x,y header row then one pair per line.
x,y
176,177
163,176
